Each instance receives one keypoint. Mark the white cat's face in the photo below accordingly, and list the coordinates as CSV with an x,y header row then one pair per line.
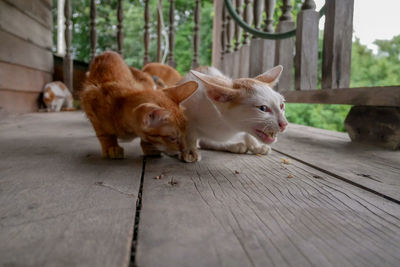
x,y
250,105
260,110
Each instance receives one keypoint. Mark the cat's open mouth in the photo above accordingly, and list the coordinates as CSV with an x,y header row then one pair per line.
x,y
267,138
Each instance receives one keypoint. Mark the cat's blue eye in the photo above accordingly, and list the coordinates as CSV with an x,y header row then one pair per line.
x,y
265,108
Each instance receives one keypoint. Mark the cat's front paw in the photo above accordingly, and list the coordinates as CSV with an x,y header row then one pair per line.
x,y
115,152
261,149
239,148
192,155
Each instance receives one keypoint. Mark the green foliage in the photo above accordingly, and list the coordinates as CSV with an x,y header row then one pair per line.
x,y
330,117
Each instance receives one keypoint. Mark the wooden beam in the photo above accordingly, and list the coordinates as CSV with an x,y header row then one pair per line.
x,y
21,78
284,48
17,51
68,65
35,9
336,54
306,59
217,48
18,23
171,57
146,38
120,34
370,96
196,35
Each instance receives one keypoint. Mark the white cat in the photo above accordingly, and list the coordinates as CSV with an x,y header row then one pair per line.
x,y
56,96
233,115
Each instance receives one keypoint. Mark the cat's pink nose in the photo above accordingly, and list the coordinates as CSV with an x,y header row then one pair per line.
x,y
282,125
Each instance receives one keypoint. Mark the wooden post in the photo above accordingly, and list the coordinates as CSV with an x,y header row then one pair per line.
x,y
284,48
244,62
223,29
237,40
93,36
262,51
146,38
306,59
68,67
228,55
196,36
120,36
336,54
171,60
159,14
217,47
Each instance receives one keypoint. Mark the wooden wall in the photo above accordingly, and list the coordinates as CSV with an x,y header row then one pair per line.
x,y
26,58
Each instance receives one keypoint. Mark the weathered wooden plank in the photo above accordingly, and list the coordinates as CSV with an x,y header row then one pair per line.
x,y
36,9
120,33
15,22
171,34
217,47
306,59
370,167
207,214
371,96
284,50
67,60
61,204
20,78
17,51
12,101
244,62
262,56
336,53
196,35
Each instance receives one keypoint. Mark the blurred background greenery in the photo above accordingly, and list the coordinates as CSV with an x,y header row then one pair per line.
x,y
367,69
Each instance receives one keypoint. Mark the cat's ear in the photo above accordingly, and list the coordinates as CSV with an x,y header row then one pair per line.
x,y
216,89
152,116
181,92
271,76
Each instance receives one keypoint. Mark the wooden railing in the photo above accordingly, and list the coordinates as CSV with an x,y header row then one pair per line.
x,y
239,53
251,56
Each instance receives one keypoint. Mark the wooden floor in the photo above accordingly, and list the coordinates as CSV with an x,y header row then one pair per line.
x,y
316,200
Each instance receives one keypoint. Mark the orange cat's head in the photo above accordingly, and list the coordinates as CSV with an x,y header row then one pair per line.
x,y
161,123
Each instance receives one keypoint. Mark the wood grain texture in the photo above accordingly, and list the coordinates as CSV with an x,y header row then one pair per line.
x,y
244,62
17,23
12,101
20,78
217,47
17,51
306,59
371,96
61,204
284,56
370,167
336,53
35,9
213,216
262,56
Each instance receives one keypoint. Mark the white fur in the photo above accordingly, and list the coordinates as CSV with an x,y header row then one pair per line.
x,y
63,98
218,126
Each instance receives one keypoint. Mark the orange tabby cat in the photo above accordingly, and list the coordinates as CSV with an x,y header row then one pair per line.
x,y
144,80
162,74
120,107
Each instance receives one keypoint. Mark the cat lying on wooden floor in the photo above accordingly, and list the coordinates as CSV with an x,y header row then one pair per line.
x,y
222,110
56,96
119,106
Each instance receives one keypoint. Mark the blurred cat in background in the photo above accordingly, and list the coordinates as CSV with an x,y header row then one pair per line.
x,y
57,97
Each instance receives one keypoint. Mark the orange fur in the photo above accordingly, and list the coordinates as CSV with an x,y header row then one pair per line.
x,y
121,107
165,75
143,80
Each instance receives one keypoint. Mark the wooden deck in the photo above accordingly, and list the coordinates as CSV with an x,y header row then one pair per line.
x,y
316,200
